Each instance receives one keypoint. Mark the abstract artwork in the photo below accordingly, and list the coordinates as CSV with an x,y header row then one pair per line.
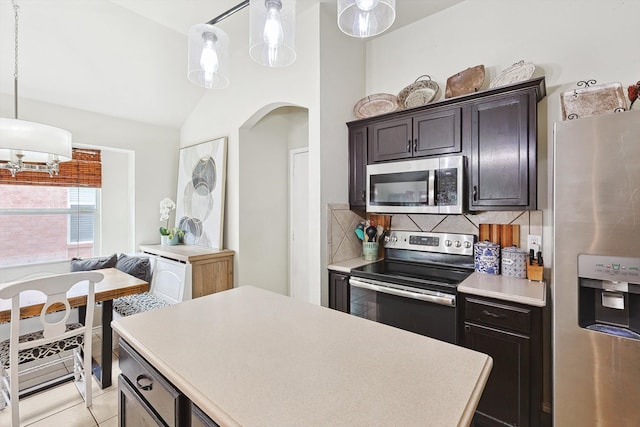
x,y
201,182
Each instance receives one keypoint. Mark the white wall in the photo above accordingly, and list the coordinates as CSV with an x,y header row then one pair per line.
x,y
568,40
156,162
264,198
342,81
255,91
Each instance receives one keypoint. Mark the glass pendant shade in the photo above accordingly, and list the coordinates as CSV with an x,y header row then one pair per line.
x,y
272,32
208,56
365,18
33,142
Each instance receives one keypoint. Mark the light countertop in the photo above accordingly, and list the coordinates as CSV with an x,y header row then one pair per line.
x,y
251,357
505,288
346,266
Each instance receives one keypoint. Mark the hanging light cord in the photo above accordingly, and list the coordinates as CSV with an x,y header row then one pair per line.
x,y
15,69
229,12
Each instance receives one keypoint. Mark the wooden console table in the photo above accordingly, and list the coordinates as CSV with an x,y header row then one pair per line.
x,y
211,269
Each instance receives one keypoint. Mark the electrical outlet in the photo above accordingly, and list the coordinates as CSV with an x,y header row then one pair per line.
x,y
534,242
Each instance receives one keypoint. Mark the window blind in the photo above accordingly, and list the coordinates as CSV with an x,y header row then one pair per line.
x,y
84,170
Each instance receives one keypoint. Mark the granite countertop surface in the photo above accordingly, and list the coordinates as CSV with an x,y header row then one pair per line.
x,y
505,288
251,357
346,266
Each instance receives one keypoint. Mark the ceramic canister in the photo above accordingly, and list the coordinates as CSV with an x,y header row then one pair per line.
x,y
486,256
514,262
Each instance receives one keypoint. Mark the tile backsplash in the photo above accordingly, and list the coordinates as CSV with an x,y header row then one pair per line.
x,y
343,244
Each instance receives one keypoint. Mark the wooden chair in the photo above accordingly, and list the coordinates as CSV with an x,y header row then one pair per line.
x,y
55,338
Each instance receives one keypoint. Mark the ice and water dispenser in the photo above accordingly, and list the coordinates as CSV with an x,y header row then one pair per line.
x,y
609,295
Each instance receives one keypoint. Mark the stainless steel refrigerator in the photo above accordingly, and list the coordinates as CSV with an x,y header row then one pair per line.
x,y
596,271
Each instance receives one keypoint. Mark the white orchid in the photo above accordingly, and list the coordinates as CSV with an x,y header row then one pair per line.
x,y
166,206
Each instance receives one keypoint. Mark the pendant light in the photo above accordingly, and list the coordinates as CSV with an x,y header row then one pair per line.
x,y
41,146
208,56
365,18
272,32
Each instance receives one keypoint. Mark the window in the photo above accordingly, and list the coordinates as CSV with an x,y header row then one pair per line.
x,y
44,218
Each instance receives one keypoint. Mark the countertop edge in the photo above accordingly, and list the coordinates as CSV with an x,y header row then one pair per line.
x,y
206,405
470,409
502,296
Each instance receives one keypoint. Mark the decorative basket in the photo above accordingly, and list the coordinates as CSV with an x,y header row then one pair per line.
x,y
418,93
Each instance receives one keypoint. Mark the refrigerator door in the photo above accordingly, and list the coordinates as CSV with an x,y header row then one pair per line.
x,y
596,211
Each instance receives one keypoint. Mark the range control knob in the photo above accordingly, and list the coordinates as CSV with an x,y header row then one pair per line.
x,y
394,238
447,242
458,244
467,244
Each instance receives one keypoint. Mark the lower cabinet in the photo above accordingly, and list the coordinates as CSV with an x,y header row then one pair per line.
x,y
339,291
146,398
511,334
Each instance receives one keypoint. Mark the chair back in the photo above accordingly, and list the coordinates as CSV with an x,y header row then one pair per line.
x,y
55,289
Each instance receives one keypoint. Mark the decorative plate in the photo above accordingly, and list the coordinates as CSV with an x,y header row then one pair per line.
x,y
592,100
376,104
419,93
464,82
518,72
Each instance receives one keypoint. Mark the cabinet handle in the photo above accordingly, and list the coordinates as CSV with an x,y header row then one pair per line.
x,y
147,386
415,145
364,194
475,193
467,328
494,315
408,146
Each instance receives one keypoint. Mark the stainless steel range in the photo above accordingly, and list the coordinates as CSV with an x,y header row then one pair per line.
x,y
415,286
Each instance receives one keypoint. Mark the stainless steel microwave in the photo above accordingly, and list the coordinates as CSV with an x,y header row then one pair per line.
x,y
432,185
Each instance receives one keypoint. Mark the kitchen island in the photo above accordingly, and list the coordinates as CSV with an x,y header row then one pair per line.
x,y
255,358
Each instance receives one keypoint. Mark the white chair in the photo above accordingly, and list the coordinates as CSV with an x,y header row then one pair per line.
x,y
55,338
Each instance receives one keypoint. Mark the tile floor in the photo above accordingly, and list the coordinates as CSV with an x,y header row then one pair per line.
x,y
63,405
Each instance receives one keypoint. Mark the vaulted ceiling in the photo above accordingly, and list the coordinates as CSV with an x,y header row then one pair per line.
x,y
125,58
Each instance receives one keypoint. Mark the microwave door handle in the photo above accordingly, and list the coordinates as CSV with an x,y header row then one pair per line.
x,y
431,201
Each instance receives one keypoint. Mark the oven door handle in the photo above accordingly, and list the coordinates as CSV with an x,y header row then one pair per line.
x,y
441,299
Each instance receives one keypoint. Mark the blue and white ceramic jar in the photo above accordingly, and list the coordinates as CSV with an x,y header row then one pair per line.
x,y
514,262
486,256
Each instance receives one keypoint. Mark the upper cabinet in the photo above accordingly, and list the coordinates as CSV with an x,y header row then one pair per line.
x,y
495,129
425,134
358,168
503,163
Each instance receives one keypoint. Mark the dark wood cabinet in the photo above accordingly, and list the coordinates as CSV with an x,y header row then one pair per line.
x,y
495,129
339,291
437,132
391,140
358,168
503,152
425,134
511,334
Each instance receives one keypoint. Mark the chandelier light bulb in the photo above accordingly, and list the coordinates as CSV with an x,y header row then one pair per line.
x,y
209,58
366,24
367,5
273,34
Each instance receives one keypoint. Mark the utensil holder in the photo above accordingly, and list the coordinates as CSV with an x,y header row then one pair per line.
x,y
370,251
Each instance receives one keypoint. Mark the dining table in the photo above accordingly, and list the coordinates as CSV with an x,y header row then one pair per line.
x,y
115,284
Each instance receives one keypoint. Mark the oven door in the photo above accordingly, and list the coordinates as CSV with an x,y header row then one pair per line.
x,y
425,312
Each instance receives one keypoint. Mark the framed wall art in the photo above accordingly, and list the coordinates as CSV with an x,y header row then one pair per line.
x,y
200,198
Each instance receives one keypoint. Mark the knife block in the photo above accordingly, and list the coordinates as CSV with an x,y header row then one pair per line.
x,y
535,272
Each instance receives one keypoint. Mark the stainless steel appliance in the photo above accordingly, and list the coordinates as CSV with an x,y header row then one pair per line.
x,y
433,185
415,286
596,304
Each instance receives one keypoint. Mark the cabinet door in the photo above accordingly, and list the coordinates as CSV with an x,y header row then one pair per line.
x,y
503,153
358,168
339,291
391,140
505,399
437,132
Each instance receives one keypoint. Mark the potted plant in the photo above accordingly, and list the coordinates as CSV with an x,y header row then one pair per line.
x,y
174,236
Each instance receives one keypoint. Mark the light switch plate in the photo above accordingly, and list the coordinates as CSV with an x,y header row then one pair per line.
x,y
534,242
